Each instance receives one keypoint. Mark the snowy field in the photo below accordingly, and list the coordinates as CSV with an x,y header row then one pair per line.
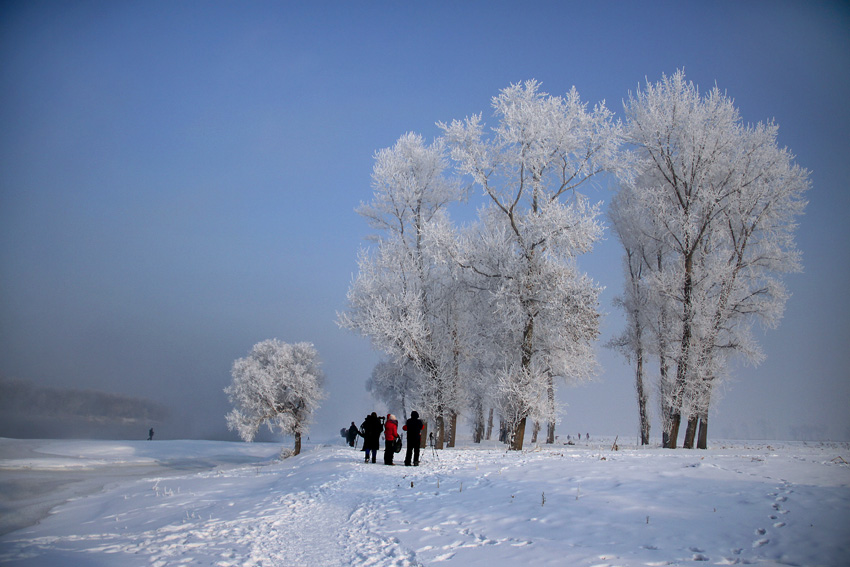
x,y
68,503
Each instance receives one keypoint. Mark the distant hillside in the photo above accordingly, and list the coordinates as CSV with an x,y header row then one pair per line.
x,y
31,411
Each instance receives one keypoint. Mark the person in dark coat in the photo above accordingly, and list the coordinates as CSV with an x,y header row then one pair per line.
x,y
371,431
390,436
352,435
414,427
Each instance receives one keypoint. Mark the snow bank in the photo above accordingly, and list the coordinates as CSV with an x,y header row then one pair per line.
x,y
228,504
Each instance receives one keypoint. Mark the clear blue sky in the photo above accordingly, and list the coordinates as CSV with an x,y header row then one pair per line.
x,y
178,180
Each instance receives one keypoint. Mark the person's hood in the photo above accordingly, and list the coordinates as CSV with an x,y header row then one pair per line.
x,y
414,414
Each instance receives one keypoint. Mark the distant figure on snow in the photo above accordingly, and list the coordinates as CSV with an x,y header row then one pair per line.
x,y
150,434
390,436
352,435
414,427
370,429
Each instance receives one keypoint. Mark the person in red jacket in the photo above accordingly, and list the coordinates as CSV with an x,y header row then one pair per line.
x,y
390,436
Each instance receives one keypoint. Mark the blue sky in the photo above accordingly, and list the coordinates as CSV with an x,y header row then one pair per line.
x,y
178,180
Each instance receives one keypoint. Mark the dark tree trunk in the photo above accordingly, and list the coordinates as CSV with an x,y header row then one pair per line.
x,y
550,394
666,409
682,367
452,429
702,438
690,433
519,436
478,429
297,449
641,395
675,421
440,426
489,432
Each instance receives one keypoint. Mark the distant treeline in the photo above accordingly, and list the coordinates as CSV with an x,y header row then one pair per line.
x,y
28,410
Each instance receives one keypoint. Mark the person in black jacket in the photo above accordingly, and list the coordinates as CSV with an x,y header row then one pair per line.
x,y
351,435
414,427
371,430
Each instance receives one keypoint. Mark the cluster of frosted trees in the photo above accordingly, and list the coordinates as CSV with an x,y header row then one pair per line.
x,y
492,316
707,221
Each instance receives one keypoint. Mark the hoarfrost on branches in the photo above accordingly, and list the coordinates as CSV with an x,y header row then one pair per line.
x,y
708,217
524,247
402,297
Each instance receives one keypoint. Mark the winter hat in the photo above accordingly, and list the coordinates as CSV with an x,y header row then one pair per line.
x,y
390,416
414,414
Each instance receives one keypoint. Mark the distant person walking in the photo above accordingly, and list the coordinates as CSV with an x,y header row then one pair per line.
x,y
414,427
150,434
351,437
390,436
371,431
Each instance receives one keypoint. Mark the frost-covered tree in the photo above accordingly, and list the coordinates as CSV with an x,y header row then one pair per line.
x,y
277,384
632,341
401,297
396,385
523,250
716,200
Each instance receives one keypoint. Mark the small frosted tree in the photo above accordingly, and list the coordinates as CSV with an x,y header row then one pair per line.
x,y
277,384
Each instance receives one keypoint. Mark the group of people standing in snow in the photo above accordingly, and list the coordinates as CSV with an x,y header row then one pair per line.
x,y
371,430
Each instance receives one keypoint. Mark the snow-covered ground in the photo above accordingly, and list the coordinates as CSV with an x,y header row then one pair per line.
x,y
232,504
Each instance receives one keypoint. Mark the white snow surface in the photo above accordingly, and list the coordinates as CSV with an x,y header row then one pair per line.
x,y
159,503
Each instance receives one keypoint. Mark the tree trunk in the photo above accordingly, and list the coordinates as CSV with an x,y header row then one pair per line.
x,y
519,436
297,449
702,438
690,433
641,391
452,429
664,373
478,429
527,350
550,400
682,366
666,409
441,432
423,441
535,429
675,421
489,432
